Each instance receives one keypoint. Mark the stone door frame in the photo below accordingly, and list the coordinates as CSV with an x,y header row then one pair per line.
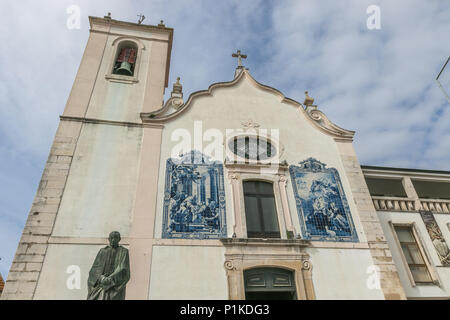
x,y
245,254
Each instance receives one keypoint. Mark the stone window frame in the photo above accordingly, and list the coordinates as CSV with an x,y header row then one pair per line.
x,y
259,213
278,176
423,252
116,46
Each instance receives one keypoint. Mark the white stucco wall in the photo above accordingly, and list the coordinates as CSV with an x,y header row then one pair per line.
x,y
188,273
342,274
54,277
100,190
443,273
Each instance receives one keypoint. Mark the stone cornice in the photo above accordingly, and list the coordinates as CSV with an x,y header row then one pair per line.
x,y
265,242
128,25
398,173
111,122
256,166
133,37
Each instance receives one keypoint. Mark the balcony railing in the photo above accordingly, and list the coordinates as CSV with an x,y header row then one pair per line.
x,y
410,205
393,204
435,205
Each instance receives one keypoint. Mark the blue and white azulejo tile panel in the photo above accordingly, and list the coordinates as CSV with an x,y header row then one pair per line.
x,y
322,207
194,198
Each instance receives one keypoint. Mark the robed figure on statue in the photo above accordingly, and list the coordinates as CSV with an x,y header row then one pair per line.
x,y
110,272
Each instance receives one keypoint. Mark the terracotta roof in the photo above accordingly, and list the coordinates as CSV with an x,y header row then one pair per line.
x,y
2,284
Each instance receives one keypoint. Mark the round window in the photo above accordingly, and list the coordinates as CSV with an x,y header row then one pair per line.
x,y
252,148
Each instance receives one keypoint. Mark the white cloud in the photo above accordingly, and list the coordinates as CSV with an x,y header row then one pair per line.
x,y
379,83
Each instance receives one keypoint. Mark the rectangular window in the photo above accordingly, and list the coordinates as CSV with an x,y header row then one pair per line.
x,y
386,187
260,210
432,189
412,254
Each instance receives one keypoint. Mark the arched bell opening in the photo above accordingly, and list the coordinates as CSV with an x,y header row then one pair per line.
x,y
126,57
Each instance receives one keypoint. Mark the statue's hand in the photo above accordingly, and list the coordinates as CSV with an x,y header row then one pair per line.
x,y
106,283
105,280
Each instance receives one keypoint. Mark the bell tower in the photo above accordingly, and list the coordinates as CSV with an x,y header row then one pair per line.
x,y
100,174
124,71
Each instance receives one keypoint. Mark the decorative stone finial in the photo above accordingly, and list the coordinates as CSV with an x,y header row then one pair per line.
x,y
161,24
108,16
177,88
308,100
177,94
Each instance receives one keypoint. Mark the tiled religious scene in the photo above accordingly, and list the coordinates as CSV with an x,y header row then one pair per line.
x,y
194,198
436,237
321,203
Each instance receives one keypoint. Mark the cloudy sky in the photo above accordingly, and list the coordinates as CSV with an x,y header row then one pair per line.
x,y
380,83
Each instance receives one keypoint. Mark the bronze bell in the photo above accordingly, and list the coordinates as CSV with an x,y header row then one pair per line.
x,y
125,69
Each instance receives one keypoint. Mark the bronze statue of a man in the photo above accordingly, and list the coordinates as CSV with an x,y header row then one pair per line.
x,y
110,272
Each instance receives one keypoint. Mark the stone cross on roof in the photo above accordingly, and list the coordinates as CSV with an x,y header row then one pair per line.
x,y
239,56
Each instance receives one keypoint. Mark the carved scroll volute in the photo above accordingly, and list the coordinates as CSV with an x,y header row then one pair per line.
x,y
283,180
232,264
229,266
236,290
307,280
317,115
177,103
306,265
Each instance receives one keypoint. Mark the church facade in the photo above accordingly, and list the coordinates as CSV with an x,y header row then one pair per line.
x,y
236,192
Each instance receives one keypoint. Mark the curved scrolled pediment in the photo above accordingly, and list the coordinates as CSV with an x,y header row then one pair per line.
x,y
325,125
175,107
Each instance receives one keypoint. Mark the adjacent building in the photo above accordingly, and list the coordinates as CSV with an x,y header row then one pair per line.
x,y
413,207
2,285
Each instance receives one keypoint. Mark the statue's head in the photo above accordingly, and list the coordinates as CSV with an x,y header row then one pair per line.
x,y
114,239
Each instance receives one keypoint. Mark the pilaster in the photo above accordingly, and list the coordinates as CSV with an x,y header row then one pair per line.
x,y
144,215
379,249
411,192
